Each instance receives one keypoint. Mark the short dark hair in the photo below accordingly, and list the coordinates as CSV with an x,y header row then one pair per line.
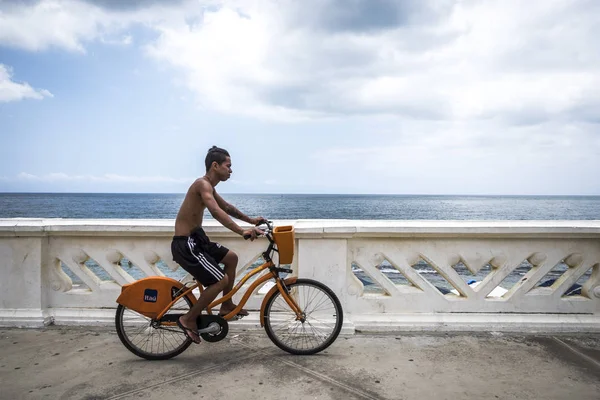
x,y
215,154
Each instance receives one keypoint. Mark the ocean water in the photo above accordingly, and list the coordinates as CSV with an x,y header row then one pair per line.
x,y
303,206
313,206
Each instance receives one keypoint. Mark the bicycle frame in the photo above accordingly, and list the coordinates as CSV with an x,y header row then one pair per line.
x,y
280,286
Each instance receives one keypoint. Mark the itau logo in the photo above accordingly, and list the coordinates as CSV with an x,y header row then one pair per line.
x,y
150,295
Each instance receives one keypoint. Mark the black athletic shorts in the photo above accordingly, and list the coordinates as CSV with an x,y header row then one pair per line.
x,y
199,256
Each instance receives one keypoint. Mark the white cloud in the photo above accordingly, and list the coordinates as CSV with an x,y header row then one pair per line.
x,y
14,91
37,26
106,178
72,24
125,40
521,62
504,59
26,176
64,24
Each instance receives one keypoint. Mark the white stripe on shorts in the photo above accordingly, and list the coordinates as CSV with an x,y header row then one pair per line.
x,y
214,271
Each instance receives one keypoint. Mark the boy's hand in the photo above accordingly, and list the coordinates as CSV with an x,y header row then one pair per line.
x,y
252,233
258,220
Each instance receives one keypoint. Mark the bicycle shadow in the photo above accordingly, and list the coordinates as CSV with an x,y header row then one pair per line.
x,y
192,356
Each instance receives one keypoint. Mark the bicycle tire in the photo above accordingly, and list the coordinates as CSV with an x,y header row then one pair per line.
x,y
289,327
177,337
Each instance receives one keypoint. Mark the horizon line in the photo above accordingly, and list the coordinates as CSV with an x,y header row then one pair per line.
x,y
323,194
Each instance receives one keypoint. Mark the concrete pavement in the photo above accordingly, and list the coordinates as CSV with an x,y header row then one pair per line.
x,y
91,363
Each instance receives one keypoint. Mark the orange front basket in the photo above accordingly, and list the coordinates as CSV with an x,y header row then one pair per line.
x,y
284,239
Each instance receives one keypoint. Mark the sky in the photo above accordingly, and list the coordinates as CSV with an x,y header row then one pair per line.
x,y
495,97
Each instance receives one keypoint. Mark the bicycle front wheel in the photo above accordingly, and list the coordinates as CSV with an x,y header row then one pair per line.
x,y
321,323
150,339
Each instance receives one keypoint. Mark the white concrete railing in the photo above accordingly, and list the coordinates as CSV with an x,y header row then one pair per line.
x,y
406,265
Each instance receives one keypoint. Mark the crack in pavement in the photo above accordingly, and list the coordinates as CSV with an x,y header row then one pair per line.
x,y
320,376
579,353
186,375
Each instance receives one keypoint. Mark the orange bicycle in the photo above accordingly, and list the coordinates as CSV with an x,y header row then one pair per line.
x,y
301,316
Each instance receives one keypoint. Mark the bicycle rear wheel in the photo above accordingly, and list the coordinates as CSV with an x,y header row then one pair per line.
x,y
321,323
150,339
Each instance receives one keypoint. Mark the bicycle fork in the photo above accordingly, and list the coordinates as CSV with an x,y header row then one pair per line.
x,y
283,289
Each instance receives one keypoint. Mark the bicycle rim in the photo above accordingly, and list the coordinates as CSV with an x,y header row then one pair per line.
x,y
153,343
321,326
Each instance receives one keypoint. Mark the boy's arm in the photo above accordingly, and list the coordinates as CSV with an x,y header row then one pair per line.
x,y
234,212
205,191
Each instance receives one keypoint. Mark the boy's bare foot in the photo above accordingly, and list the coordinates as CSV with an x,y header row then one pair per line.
x,y
190,330
227,309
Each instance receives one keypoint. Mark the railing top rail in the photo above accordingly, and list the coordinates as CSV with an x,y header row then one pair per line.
x,y
317,228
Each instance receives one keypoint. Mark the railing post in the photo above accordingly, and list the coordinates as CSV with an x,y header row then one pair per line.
x,y
325,260
22,299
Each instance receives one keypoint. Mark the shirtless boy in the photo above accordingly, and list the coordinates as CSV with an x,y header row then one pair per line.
x,y
193,250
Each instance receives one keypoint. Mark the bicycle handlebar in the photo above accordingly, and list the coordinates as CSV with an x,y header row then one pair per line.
x,y
263,222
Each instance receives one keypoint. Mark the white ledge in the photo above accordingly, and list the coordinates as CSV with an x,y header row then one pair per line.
x,y
311,228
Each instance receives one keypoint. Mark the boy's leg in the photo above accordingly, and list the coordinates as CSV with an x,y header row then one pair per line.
x,y
206,271
208,295
230,261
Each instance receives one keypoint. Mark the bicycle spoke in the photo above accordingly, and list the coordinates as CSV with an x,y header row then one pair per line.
x,y
323,301
140,331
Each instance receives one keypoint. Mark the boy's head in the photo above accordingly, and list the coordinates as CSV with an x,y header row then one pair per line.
x,y
215,154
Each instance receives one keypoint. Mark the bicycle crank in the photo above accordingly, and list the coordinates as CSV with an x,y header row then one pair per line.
x,y
212,328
